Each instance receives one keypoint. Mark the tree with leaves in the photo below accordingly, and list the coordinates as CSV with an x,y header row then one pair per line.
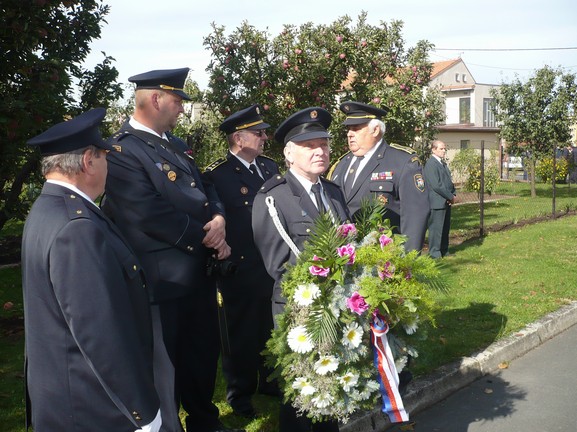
x,y
321,65
42,82
537,115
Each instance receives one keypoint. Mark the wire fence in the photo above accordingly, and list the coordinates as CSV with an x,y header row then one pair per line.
x,y
510,200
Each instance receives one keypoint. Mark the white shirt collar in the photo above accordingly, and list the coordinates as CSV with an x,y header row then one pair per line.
x,y
242,161
73,189
139,126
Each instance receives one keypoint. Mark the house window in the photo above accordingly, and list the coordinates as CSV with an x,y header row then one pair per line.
x,y
457,77
488,113
464,78
465,144
464,110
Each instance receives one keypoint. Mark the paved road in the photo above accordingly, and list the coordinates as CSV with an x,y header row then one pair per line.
x,y
536,393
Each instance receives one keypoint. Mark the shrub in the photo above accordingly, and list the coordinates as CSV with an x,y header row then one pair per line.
x,y
544,170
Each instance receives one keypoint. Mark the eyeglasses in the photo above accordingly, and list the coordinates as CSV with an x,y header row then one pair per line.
x,y
259,133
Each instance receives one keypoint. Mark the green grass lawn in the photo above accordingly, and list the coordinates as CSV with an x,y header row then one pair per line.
x,y
514,204
497,285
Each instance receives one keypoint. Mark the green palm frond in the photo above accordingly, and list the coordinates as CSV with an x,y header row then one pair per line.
x,y
323,326
324,239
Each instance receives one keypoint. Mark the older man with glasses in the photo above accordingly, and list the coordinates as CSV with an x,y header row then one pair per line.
x,y
245,315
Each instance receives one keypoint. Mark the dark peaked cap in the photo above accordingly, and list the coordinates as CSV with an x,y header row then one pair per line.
x,y
246,119
74,134
166,79
309,123
359,113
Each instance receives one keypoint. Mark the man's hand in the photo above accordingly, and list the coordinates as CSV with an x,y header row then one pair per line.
x,y
215,237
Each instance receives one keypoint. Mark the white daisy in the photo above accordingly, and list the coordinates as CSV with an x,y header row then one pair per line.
x,y
411,325
353,335
304,386
299,341
326,364
323,400
305,294
349,381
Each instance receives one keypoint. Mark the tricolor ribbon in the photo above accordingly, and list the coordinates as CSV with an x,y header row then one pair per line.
x,y
387,375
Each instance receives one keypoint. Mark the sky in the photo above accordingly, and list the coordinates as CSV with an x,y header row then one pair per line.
x,y
143,36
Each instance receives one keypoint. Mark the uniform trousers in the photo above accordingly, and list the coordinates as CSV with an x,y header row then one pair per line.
x,y
190,331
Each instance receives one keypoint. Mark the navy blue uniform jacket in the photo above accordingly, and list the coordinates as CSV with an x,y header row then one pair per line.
x,y
158,201
394,176
237,187
297,213
87,320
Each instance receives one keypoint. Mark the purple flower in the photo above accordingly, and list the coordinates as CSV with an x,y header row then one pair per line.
x,y
348,250
408,275
385,240
357,304
388,271
318,271
347,229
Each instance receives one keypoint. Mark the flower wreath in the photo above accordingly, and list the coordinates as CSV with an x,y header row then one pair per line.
x,y
350,285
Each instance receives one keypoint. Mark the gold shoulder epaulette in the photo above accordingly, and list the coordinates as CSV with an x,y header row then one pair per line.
x,y
333,166
215,164
403,148
267,157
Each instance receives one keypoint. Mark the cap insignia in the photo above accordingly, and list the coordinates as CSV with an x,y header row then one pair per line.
x,y
314,114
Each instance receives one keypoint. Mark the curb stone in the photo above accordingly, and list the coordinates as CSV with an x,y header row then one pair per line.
x,y
427,391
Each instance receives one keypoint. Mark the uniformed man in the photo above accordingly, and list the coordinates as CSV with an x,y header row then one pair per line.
x,y
174,222
390,172
246,318
87,321
299,197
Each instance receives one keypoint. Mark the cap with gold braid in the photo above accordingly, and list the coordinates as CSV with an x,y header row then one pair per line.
x,y
359,113
246,119
167,79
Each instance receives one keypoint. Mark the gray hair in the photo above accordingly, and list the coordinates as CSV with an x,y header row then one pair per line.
x,y
379,123
69,163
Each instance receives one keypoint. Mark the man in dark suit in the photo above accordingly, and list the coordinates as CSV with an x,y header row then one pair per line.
x,y
299,197
441,197
245,315
87,319
155,195
374,168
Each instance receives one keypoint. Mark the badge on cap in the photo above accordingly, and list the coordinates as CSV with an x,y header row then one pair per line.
x,y
171,175
314,114
420,182
257,110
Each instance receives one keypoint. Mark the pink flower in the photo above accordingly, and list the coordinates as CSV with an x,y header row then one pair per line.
x,y
408,275
318,271
388,271
8,305
385,240
347,229
348,250
357,304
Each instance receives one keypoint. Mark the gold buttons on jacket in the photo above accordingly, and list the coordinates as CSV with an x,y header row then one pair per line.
x,y
189,248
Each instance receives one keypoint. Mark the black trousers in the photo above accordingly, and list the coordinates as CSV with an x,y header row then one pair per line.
x,y
248,326
190,331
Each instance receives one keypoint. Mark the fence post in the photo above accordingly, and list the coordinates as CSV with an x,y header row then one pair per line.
x,y
554,178
482,192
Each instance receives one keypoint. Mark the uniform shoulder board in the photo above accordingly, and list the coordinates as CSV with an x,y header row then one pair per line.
x,y
215,164
403,148
271,183
266,157
333,166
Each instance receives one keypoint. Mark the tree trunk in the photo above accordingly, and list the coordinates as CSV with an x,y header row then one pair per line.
x,y
532,177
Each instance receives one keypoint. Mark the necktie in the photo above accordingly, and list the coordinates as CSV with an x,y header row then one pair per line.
x,y
253,169
350,180
316,189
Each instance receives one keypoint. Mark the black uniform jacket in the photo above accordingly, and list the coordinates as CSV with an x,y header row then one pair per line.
x,y
237,187
297,213
87,320
395,176
155,195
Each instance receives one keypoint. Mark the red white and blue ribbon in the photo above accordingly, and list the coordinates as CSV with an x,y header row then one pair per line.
x,y
387,375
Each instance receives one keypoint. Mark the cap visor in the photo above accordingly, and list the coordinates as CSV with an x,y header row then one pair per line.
x,y
354,121
309,136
